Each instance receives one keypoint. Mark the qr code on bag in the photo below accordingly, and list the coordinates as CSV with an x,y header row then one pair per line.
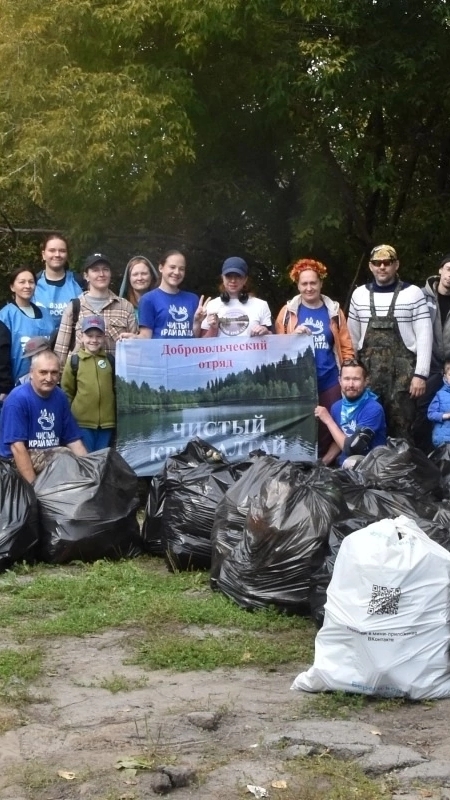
x,y
384,600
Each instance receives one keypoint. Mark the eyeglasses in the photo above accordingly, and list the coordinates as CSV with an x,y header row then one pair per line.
x,y
380,262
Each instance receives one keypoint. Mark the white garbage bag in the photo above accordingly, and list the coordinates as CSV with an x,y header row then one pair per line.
x,y
387,616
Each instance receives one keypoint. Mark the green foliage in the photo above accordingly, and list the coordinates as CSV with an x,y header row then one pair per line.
x,y
269,129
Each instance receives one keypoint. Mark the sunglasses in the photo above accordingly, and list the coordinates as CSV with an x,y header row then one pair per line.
x,y
380,262
351,362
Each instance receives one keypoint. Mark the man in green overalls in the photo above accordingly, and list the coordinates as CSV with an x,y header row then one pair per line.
x,y
390,326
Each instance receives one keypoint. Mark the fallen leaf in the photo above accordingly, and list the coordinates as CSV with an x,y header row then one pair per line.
x,y
133,764
247,656
68,776
279,785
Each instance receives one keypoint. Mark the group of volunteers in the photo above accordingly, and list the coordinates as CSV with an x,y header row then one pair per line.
x,y
383,371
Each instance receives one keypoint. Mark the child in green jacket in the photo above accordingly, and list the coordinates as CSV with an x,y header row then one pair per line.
x,y
88,381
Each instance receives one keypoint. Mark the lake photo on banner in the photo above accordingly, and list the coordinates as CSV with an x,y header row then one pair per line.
x,y
249,395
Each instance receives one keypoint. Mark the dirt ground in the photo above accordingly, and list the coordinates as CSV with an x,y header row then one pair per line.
x,y
81,729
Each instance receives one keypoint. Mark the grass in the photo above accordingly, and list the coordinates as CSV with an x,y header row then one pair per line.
x,y
328,778
174,650
17,669
120,683
340,705
158,608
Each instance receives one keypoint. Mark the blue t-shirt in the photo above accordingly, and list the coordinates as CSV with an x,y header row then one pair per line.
x,y
168,315
368,415
318,321
39,422
56,295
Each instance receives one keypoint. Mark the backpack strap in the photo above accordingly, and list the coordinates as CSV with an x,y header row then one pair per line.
x,y
76,305
74,363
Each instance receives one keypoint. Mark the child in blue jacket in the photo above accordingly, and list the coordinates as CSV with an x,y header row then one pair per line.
x,y
439,411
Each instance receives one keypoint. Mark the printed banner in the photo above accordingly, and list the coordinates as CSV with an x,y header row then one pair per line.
x,y
249,394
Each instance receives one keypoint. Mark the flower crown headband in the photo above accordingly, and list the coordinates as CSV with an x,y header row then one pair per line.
x,y
307,263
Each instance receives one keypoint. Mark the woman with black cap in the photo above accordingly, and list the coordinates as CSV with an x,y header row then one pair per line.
x,y
236,312
98,300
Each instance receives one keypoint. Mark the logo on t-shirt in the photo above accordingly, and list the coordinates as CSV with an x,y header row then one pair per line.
x,y
178,313
316,328
315,325
23,341
46,420
234,322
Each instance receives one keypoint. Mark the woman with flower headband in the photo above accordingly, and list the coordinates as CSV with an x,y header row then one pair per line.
x,y
314,314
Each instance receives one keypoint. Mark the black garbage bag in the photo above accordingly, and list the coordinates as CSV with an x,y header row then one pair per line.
x,y
19,527
152,528
438,528
440,458
87,508
194,483
399,467
376,504
232,510
321,578
282,543
231,514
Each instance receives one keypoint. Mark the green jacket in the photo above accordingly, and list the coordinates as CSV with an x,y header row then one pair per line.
x,y
91,390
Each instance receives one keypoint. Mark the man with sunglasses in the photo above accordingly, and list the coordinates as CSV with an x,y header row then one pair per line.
x,y
356,422
390,326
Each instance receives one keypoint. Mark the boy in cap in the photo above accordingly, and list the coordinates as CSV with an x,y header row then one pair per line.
x,y
390,326
88,381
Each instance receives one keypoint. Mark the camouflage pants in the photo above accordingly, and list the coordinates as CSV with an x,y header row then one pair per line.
x,y
390,367
41,458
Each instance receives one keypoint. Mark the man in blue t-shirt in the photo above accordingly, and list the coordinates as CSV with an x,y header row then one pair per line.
x,y
356,422
36,417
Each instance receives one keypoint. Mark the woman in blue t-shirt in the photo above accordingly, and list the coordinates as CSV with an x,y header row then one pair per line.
x,y
20,320
168,311
315,314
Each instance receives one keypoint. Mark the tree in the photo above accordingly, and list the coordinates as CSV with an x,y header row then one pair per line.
x,y
270,129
